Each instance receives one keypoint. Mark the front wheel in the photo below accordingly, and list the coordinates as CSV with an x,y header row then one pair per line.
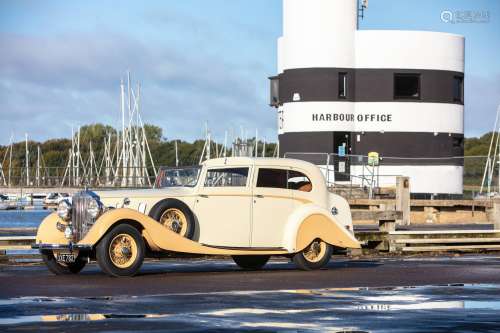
x,y
62,268
176,216
251,262
315,256
121,251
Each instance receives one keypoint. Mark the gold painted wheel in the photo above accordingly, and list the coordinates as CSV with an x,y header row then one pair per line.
x,y
123,250
175,220
316,251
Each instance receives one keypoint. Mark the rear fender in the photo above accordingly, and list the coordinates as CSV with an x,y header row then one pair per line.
x,y
309,222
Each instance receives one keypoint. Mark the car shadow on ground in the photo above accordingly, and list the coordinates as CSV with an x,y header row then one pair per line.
x,y
159,268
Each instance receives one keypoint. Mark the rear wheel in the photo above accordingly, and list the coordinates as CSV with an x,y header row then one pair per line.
x,y
251,262
315,256
121,251
59,268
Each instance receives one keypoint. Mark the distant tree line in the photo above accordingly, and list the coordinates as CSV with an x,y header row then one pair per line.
x,y
55,152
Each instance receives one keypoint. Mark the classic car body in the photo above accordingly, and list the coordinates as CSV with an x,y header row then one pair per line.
x,y
249,208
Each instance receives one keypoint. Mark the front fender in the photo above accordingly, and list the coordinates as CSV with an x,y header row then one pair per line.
x,y
114,216
48,233
309,222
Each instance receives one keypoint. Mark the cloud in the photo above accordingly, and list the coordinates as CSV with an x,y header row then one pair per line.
x,y
48,83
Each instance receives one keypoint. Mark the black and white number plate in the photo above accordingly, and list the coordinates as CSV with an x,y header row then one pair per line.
x,y
66,257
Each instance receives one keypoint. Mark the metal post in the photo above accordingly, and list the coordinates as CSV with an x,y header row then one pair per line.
x,y
176,154
403,199
10,158
27,157
38,166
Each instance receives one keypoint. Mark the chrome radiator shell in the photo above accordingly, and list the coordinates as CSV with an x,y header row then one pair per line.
x,y
80,218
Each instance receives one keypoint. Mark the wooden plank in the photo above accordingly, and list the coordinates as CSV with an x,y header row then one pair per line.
x,y
17,229
15,247
448,247
17,238
447,240
423,203
376,215
444,232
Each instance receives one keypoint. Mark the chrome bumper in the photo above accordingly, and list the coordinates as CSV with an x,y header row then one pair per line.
x,y
70,246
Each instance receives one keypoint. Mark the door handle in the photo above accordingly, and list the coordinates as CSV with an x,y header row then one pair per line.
x,y
259,196
203,195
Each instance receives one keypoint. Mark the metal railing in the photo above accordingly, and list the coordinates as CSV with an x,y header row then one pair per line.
x,y
48,177
358,172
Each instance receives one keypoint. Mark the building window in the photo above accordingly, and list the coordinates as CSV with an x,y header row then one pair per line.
x,y
274,91
458,142
406,86
226,177
342,85
458,89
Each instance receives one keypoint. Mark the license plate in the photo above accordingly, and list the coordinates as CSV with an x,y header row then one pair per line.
x,y
66,257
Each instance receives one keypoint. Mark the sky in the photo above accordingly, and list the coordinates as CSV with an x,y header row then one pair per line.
x,y
197,61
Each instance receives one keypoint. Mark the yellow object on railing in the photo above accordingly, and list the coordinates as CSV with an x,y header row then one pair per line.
x,y
373,158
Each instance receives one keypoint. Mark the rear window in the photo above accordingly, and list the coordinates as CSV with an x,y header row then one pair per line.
x,y
281,178
274,178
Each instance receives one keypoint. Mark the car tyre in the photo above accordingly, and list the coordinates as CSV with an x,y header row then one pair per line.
x,y
314,256
121,251
176,216
251,262
60,268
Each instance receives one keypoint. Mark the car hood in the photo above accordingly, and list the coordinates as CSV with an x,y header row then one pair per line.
x,y
146,193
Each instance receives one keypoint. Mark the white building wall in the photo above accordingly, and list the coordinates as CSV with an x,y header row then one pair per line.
x,y
409,50
432,179
318,33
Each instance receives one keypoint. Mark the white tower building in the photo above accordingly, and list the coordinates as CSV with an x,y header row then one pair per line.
x,y
398,93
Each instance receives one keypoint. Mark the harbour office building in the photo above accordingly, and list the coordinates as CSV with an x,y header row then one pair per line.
x,y
398,93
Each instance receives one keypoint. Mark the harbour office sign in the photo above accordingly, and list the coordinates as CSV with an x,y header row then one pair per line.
x,y
348,117
371,117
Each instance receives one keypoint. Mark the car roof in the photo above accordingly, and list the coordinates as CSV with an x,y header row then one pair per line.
x,y
259,161
311,170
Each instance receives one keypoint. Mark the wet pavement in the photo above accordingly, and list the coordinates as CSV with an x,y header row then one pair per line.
x,y
433,294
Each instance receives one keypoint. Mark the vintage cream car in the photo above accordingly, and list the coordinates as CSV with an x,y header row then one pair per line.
x,y
247,208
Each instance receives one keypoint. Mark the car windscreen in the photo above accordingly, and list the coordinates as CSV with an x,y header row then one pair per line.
x,y
178,177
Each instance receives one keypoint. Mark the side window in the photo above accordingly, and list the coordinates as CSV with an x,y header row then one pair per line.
x,y
298,181
342,85
280,178
226,177
458,89
406,86
274,178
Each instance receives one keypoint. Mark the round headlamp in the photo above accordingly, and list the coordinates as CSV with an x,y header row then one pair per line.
x,y
93,208
64,210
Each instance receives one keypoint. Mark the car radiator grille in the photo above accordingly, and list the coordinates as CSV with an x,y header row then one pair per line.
x,y
82,221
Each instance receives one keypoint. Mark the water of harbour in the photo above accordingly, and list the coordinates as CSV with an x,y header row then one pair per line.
x,y
22,218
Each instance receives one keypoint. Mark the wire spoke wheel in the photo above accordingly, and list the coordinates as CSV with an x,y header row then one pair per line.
x,y
175,220
123,250
316,251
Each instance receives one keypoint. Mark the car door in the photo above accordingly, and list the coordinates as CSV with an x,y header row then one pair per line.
x,y
272,205
223,207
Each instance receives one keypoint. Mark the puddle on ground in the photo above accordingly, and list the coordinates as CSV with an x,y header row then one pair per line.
x,y
75,317
310,310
